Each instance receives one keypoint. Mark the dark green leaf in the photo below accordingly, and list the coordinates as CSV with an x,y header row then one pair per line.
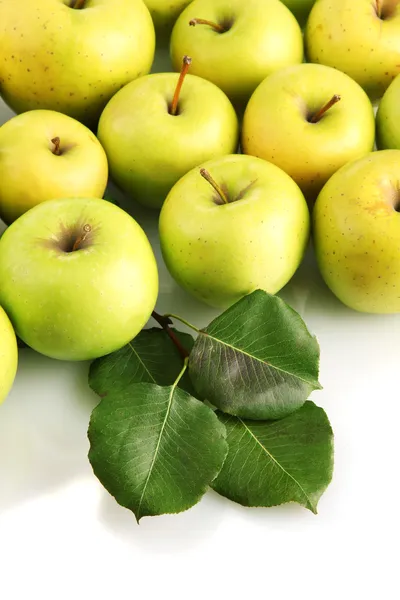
x,y
274,462
150,358
155,449
257,360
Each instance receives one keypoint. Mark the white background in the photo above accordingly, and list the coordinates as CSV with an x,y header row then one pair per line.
x,y
63,537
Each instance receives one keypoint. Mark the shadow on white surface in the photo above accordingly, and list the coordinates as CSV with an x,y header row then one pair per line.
x,y
43,425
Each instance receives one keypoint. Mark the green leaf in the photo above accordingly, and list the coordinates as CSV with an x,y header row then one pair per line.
x,y
257,360
275,462
155,449
150,358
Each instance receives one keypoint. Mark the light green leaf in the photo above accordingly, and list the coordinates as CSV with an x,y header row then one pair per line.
x,y
257,360
155,449
275,462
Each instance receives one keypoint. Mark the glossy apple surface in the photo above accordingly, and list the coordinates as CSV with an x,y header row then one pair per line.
x,y
359,37
149,149
34,169
72,60
78,278
221,252
8,355
258,39
277,124
388,118
357,233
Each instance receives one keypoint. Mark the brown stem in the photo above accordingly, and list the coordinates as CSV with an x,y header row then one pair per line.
x,y
187,61
79,240
206,175
320,113
165,323
215,26
77,4
378,8
56,150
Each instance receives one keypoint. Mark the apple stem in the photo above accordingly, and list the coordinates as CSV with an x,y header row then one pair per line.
x,y
79,240
378,8
165,323
206,175
56,150
215,26
77,4
187,61
320,113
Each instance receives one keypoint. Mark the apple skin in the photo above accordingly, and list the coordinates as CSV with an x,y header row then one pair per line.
x,y
357,231
72,61
221,252
348,35
300,8
8,356
31,173
148,149
259,42
388,118
82,304
276,126
164,14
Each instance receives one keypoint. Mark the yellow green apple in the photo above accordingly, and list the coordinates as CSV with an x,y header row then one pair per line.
x,y
164,14
78,278
388,118
309,120
300,8
236,44
150,146
359,37
8,355
72,55
232,226
357,232
45,155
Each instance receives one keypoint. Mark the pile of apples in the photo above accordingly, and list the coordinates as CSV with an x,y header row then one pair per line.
x,y
241,156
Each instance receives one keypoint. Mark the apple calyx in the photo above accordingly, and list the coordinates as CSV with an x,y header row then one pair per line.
x,y
57,142
221,193
320,113
77,4
187,61
86,229
218,28
385,9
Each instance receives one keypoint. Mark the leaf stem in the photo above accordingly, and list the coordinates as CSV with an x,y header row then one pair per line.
x,y
320,113
181,374
206,175
187,61
170,316
165,322
215,26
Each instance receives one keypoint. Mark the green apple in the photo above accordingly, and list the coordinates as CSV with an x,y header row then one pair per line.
x,y
388,118
236,44
359,37
300,8
8,355
78,278
357,233
309,120
242,225
150,145
165,14
46,155
72,55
